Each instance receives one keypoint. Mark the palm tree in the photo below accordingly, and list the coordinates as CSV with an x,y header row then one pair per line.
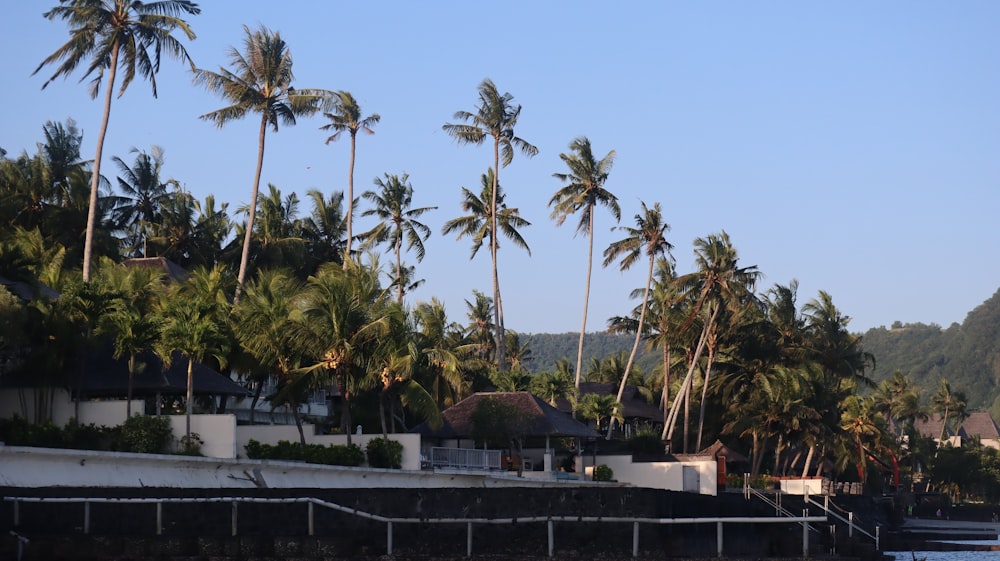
x,y
495,117
649,237
346,116
345,315
585,190
396,221
129,321
260,82
113,33
276,241
192,318
553,386
144,194
263,321
323,229
949,404
720,285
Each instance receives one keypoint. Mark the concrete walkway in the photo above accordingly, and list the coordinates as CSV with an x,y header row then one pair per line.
x,y
936,526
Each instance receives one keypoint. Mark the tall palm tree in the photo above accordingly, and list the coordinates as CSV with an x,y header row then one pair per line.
x,y
720,285
346,116
397,220
648,237
109,34
495,117
144,193
276,241
260,81
585,190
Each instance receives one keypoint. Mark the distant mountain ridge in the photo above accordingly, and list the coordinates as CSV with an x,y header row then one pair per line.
x,y
966,354
547,348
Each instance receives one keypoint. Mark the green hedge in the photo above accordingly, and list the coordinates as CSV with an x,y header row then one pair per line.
x,y
334,455
384,453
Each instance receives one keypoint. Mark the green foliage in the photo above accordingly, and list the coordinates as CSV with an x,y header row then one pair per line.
x,y
497,423
145,434
333,455
191,444
18,431
384,453
547,348
645,443
603,473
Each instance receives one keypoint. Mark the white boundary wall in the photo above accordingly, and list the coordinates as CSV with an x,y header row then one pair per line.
x,y
271,434
659,475
102,413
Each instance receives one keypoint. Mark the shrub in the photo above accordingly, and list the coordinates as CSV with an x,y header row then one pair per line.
x,y
385,453
603,473
145,434
191,445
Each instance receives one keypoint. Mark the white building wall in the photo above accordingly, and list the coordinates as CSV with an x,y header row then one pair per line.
x,y
659,475
217,432
102,413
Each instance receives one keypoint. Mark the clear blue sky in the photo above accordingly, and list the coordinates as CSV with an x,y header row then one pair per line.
x,y
854,146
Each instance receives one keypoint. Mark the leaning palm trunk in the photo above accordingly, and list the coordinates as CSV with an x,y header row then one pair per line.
x,y
586,303
635,348
88,242
252,213
704,391
498,306
668,429
189,401
809,457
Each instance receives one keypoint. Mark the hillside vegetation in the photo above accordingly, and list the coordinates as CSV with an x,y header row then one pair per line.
x,y
966,354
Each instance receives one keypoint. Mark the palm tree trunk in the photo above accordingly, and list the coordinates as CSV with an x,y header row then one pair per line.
x,y
88,242
586,303
668,429
704,392
635,346
687,423
189,402
809,457
298,422
665,394
350,199
497,305
131,377
252,212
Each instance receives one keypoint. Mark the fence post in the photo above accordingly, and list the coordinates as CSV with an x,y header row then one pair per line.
x,y
468,540
805,533
388,537
552,537
878,536
850,524
635,540
833,539
17,513
159,518
312,524
718,539
86,517
234,517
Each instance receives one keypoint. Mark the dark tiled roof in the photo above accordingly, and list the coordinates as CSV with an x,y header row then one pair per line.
x,y
543,419
980,424
27,291
931,427
105,376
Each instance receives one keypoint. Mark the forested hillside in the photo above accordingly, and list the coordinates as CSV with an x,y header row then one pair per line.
x,y
966,354
547,348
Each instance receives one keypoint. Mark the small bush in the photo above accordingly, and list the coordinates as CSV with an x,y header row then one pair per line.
x,y
145,435
191,445
385,453
603,473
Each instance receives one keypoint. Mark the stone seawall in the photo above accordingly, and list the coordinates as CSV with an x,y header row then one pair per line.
x,y
205,530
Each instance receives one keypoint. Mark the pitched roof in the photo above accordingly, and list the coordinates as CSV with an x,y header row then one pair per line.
x,y
106,376
931,427
717,449
542,418
28,291
980,424
633,405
